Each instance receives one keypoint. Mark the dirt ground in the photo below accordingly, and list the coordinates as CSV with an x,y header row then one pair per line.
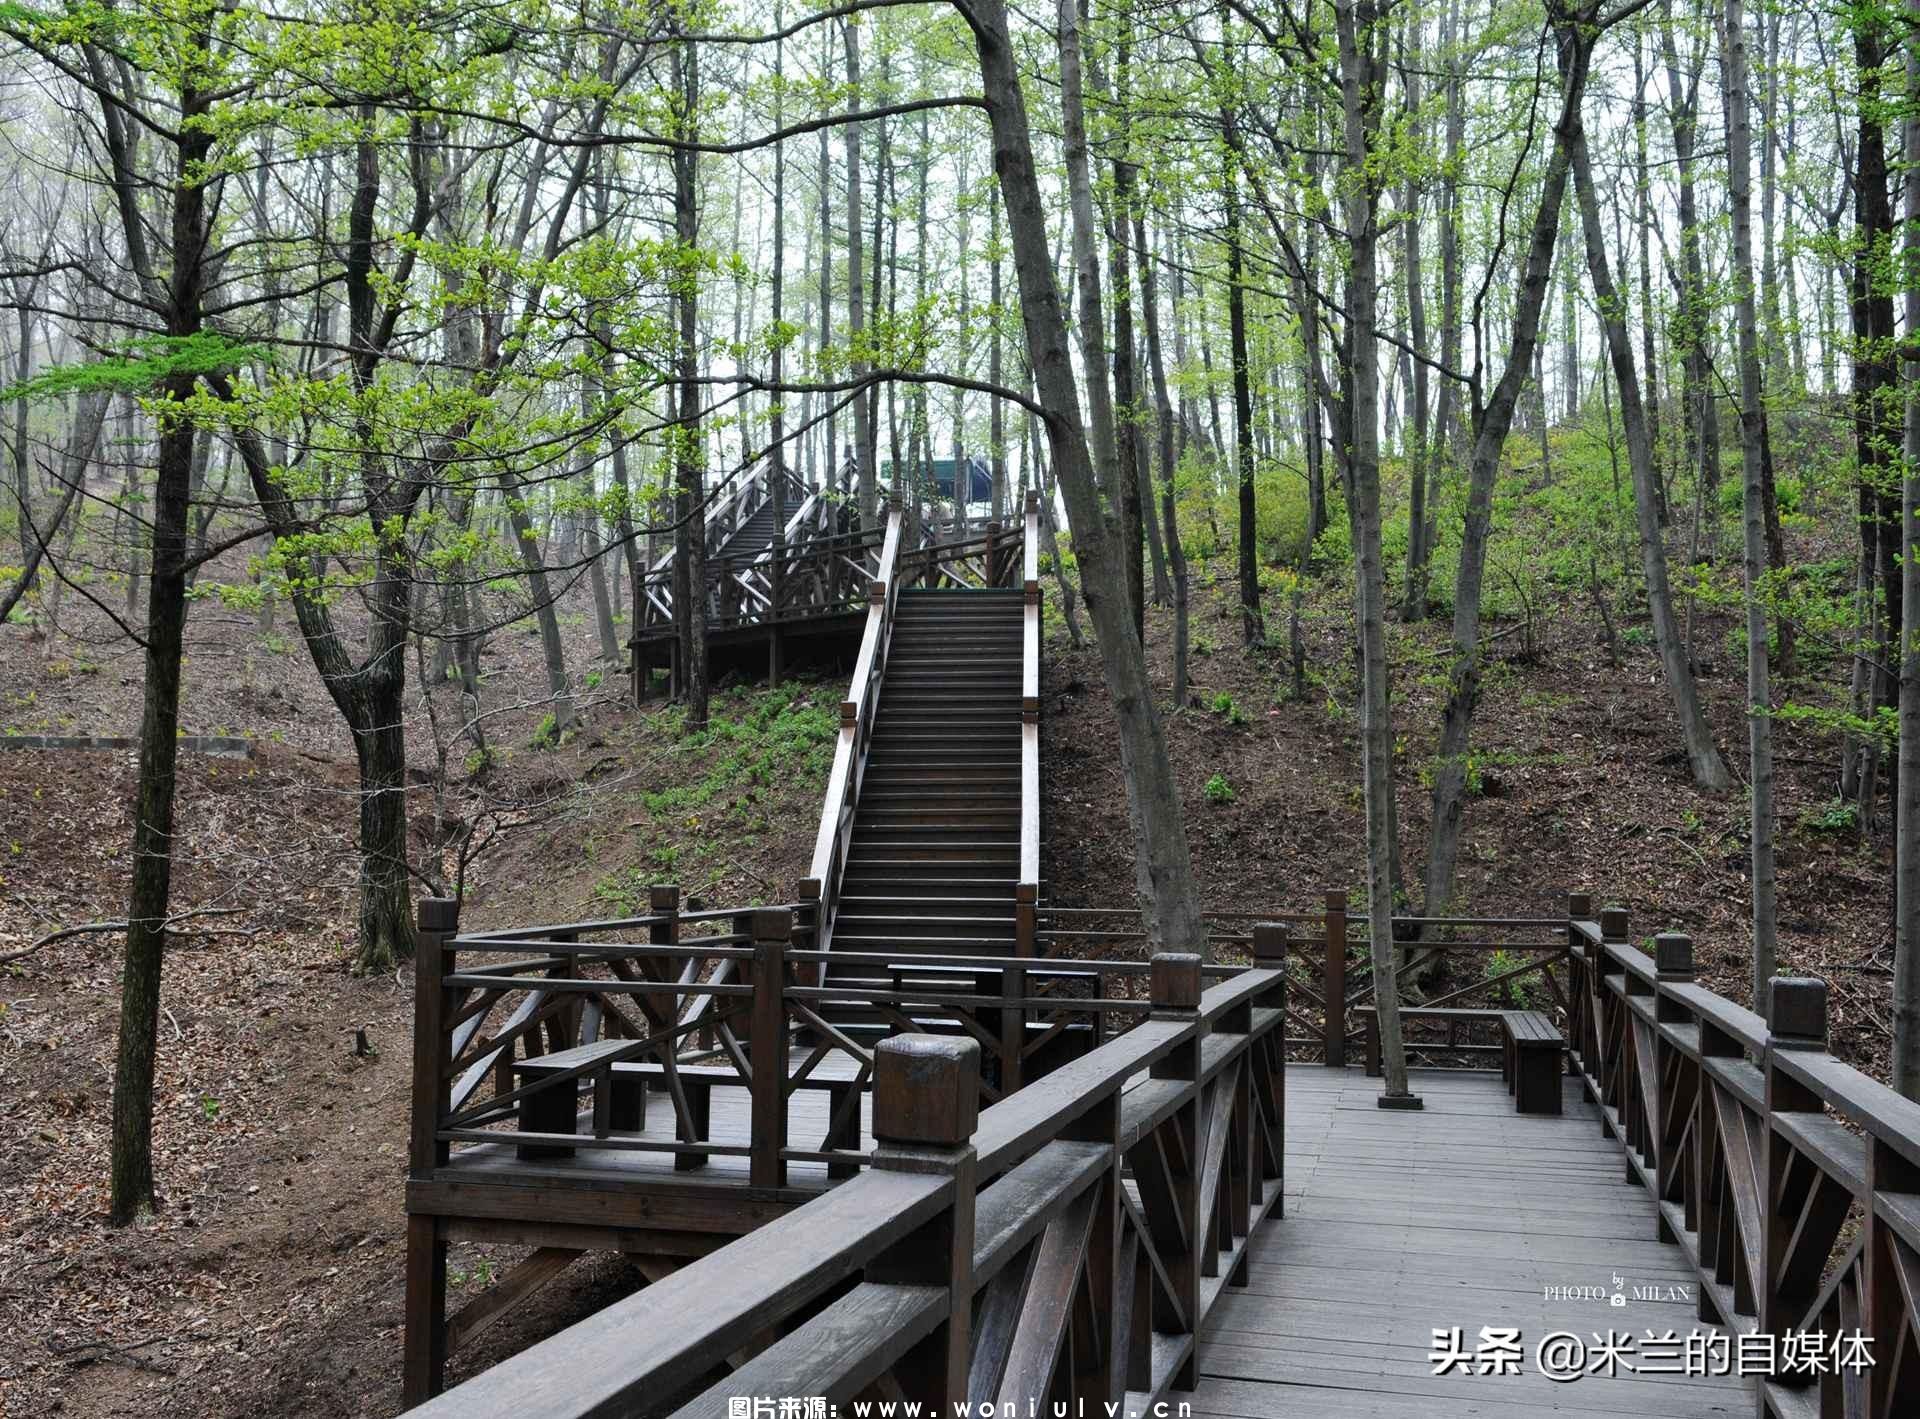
x,y
269,1281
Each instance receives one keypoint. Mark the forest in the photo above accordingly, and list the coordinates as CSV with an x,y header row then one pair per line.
x,y
1476,452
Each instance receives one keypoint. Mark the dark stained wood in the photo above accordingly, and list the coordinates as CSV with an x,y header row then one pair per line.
x,y
424,1363
1040,1335
513,1288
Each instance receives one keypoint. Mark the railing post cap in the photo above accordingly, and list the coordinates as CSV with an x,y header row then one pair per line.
x,y
1336,899
1613,923
809,889
1175,980
772,924
926,1090
663,897
1579,905
1269,941
1673,955
1033,500
437,914
849,714
1797,1011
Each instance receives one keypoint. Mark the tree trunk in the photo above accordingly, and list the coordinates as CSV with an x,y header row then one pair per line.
x,y
1733,53
1490,434
1092,326
1643,186
553,650
1692,329
863,432
1251,626
690,534
1416,444
1362,42
1164,426
1906,850
1709,772
153,814
1169,900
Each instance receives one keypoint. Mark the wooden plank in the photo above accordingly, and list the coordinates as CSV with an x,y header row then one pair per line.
x,y
835,1355
518,1284
1042,1329
592,1367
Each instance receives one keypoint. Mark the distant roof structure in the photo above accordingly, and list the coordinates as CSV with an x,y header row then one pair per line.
x,y
979,481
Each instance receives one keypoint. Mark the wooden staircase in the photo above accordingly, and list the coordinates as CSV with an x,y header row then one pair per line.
x,y
926,868
935,853
755,535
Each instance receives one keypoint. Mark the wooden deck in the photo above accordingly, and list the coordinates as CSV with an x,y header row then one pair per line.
x,y
731,1126
1398,1224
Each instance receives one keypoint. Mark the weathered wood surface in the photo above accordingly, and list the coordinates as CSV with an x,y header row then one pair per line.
x,y
730,1124
1397,1224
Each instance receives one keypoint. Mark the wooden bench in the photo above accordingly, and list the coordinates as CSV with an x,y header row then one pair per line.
x,y
620,1098
1532,1060
1532,1053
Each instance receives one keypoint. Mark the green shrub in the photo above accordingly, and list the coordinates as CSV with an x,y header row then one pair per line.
x,y
1836,816
1218,790
547,736
1223,704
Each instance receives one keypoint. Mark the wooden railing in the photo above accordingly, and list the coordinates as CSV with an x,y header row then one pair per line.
x,y
1790,1181
821,887
487,1003
711,999
810,572
1026,892
992,1255
1318,948
1509,962
965,560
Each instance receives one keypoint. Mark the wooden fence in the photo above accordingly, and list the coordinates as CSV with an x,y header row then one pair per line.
x,y
711,998
1481,966
981,1255
1790,1181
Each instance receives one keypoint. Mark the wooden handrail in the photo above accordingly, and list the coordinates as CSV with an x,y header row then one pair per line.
x,y
1030,700
1758,1148
931,1231
857,712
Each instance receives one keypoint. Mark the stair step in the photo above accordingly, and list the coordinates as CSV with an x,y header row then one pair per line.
x,y
920,874
953,945
978,826
1001,772
1003,856
960,795
868,904
846,927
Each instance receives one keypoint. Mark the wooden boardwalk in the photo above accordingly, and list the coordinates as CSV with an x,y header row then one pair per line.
x,y
1463,1215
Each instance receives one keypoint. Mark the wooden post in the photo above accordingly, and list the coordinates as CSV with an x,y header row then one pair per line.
x,y
926,1101
1677,1097
423,1365
1796,1023
1271,945
1175,981
438,921
767,1046
1892,1389
1334,981
1013,985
